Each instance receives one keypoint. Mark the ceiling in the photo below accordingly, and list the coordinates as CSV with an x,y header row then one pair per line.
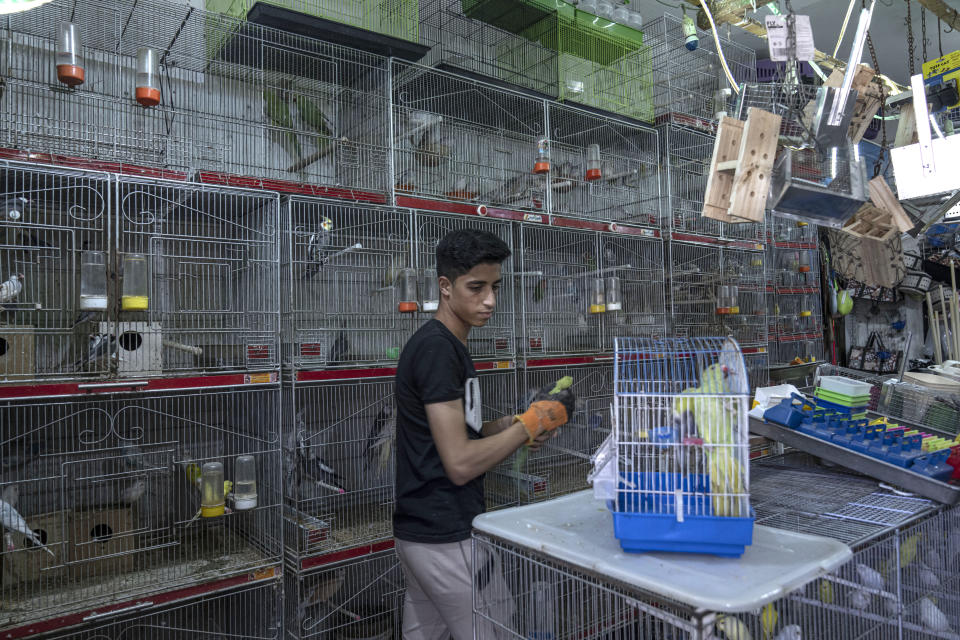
x,y
888,30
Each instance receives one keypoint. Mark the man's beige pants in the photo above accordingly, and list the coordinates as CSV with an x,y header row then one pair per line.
x,y
439,599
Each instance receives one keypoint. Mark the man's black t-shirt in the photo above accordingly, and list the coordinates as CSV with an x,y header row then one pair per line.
x,y
434,367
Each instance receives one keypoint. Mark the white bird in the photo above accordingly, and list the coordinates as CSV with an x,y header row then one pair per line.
x,y
13,521
10,289
891,606
790,632
859,599
134,492
870,577
13,208
928,578
932,617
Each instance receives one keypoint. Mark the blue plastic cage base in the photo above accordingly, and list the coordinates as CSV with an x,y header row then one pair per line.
x,y
646,532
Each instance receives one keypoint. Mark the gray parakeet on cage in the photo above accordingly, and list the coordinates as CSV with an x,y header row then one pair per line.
x,y
13,521
277,110
101,345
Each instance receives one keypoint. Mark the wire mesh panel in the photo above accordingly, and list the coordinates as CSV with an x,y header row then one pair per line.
x,y
602,168
53,227
344,293
758,368
633,278
558,267
563,463
248,614
199,273
742,272
397,18
677,465
124,496
352,600
690,86
463,139
338,464
921,406
687,154
474,46
695,280
496,338
324,107
499,391
797,268
532,596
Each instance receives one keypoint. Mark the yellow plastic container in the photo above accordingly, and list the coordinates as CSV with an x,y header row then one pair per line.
x,y
134,303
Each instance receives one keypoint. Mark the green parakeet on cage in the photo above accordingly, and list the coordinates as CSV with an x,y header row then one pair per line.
x,y
726,477
313,116
715,418
277,110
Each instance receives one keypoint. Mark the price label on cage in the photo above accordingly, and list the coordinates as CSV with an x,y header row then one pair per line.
x,y
778,37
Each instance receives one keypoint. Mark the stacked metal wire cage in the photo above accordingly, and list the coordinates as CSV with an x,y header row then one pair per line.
x,y
245,614
352,598
901,547
397,18
236,98
113,484
689,87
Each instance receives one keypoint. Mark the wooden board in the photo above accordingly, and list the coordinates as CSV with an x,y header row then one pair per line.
x,y
103,541
874,254
882,197
28,563
906,127
17,350
726,148
758,151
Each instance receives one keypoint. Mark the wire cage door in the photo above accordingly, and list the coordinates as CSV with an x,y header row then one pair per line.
x,y
198,268
675,470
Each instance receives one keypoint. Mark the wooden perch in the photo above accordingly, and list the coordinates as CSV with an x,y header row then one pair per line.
x,y
883,199
743,157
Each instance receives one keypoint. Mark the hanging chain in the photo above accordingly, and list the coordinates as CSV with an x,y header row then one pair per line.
x,y
910,37
883,99
923,34
939,36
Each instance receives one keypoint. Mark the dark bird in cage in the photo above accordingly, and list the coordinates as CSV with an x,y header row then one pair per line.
x,y
19,457
318,248
32,239
13,208
102,345
86,316
313,467
340,349
379,428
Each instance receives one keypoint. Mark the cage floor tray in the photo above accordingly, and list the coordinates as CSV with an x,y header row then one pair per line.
x,y
578,529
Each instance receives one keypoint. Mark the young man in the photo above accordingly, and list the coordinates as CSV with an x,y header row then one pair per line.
x,y
444,448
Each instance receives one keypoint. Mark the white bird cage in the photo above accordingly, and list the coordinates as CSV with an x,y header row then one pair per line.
x,y
675,469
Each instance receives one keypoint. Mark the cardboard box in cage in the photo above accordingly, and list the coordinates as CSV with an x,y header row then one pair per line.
x,y
102,542
139,347
28,563
17,350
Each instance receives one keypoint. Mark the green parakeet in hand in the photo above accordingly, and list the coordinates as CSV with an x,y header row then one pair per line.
x,y
277,110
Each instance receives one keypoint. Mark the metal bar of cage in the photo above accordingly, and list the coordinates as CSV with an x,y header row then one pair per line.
x,y
464,139
252,613
920,406
360,598
555,305
342,272
51,219
499,393
323,106
694,280
113,485
212,256
496,339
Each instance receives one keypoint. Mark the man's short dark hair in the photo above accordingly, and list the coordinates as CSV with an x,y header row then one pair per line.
x,y
462,250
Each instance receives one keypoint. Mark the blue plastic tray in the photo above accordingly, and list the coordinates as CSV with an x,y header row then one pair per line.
x,y
650,523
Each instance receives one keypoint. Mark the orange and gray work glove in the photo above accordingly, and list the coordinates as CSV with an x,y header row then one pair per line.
x,y
552,407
